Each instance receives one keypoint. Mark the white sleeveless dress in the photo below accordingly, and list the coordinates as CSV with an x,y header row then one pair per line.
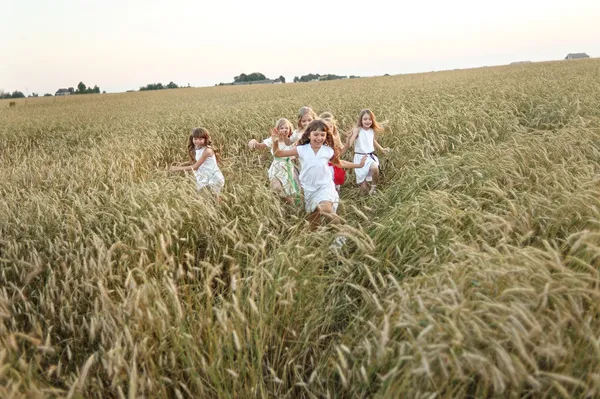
x,y
364,145
209,174
316,177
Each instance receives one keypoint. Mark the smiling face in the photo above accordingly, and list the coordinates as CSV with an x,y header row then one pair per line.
x,y
366,121
306,120
283,129
317,138
199,142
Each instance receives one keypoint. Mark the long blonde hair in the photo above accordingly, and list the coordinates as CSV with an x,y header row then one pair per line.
x,y
284,121
304,111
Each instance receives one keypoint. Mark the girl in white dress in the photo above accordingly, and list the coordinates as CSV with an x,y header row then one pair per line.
x,y
315,149
363,139
283,173
203,161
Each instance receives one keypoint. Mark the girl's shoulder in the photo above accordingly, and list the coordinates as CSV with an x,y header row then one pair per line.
x,y
301,148
208,150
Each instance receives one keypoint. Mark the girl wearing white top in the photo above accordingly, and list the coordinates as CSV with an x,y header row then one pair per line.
x,y
315,149
283,173
203,161
363,138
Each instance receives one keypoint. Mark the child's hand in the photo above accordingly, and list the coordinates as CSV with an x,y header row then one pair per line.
x,y
386,150
275,135
363,160
351,133
252,143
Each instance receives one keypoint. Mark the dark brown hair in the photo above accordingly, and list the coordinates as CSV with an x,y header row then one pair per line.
x,y
199,133
316,125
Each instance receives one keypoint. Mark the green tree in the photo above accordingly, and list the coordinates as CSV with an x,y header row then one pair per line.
x,y
172,85
241,78
255,76
281,79
81,88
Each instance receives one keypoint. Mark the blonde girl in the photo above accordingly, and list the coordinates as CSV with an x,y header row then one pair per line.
x,y
305,116
283,173
203,161
315,149
363,139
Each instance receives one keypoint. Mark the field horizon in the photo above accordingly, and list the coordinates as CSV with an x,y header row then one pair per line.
x,y
473,272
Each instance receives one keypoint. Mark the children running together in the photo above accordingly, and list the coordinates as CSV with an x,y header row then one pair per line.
x,y
305,161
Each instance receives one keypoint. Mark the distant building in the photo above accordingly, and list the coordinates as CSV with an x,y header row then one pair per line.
x,y
576,56
62,92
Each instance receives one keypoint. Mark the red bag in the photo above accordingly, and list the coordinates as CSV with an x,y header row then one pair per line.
x,y
339,175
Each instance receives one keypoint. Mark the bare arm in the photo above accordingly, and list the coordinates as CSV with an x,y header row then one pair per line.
x,y
380,148
256,145
285,153
350,165
282,153
344,148
207,153
352,137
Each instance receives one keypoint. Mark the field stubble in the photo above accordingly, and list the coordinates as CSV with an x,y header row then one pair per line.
x,y
474,271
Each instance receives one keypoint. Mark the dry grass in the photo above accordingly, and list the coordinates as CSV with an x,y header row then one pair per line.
x,y
474,272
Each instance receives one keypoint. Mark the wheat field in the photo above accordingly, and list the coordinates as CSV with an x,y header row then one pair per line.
x,y
474,272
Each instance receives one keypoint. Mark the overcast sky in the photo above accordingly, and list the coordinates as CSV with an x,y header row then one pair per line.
x,y
124,44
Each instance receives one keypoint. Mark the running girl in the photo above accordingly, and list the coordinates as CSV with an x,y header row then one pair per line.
x,y
203,160
315,149
283,174
363,139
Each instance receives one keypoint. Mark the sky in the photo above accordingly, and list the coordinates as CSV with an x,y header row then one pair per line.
x,y
124,44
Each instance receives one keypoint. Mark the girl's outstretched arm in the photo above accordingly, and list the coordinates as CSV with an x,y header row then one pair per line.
x,y
207,153
350,165
344,148
256,145
282,153
352,135
378,147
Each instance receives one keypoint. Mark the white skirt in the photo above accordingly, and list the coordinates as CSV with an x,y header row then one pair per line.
x,y
364,173
213,179
312,199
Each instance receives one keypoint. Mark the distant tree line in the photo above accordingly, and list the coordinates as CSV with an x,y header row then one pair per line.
x,y
82,89
14,94
160,86
253,77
